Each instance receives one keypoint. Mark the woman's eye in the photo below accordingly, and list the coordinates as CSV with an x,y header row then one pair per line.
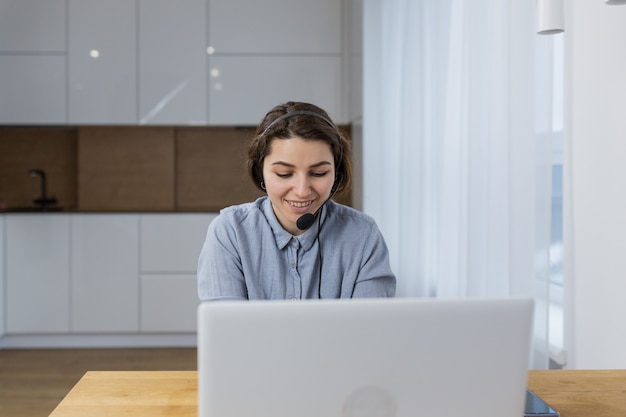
x,y
313,174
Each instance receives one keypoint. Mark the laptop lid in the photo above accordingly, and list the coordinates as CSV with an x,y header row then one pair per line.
x,y
399,357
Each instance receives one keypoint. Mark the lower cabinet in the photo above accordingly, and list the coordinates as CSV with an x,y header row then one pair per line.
x,y
170,245
101,273
105,262
168,303
2,280
37,253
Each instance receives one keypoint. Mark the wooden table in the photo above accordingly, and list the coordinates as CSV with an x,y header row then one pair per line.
x,y
167,393
582,393
136,393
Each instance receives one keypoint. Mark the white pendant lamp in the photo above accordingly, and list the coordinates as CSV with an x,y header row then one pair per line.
x,y
550,18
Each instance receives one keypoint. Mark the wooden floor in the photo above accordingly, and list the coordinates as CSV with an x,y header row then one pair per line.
x,y
33,382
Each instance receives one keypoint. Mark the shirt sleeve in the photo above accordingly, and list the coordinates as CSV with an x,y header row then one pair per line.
x,y
375,278
220,273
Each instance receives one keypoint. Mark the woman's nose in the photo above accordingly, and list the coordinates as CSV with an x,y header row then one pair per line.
x,y
302,186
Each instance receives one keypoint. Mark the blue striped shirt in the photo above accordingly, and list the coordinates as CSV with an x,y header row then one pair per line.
x,y
248,255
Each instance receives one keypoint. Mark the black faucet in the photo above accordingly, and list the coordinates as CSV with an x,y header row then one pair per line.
x,y
42,201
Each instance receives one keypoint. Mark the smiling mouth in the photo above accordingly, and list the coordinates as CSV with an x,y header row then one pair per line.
x,y
300,204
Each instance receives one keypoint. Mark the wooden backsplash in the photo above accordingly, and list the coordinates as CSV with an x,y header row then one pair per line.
x,y
50,149
126,168
113,168
210,169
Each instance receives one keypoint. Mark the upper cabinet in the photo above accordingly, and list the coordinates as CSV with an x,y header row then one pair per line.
x,y
32,61
158,62
32,89
102,62
275,26
137,62
244,88
172,62
32,26
278,50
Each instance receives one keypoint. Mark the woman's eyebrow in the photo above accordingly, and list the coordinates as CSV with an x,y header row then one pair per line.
x,y
287,164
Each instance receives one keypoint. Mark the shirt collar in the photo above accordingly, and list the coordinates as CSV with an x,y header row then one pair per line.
x,y
282,236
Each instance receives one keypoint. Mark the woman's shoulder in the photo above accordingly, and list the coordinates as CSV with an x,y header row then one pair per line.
x,y
241,213
350,214
243,209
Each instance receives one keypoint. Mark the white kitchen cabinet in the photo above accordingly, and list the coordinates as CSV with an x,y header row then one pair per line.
x,y
124,62
88,274
170,246
32,62
172,242
275,26
2,280
102,69
105,273
37,273
169,303
32,88
277,51
354,58
244,88
172,62
32,26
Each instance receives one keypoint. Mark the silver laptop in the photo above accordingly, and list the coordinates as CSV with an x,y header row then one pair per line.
x,y
399,357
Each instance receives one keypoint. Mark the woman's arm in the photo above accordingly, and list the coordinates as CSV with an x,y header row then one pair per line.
x,y
375,277
220,273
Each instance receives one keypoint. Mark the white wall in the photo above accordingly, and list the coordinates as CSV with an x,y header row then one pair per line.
x,y
354,83
595,184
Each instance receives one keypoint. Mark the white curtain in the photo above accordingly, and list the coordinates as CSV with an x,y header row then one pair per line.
x,y
456,100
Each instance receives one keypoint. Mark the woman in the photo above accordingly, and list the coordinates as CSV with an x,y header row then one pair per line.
x,y
296,242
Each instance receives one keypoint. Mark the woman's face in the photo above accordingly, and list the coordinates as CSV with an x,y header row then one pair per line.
x,y
299,176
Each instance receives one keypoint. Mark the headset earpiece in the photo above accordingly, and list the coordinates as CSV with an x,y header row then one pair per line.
x,y
257,172
338,180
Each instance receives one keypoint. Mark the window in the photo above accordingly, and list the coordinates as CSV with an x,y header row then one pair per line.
x,y
557,353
